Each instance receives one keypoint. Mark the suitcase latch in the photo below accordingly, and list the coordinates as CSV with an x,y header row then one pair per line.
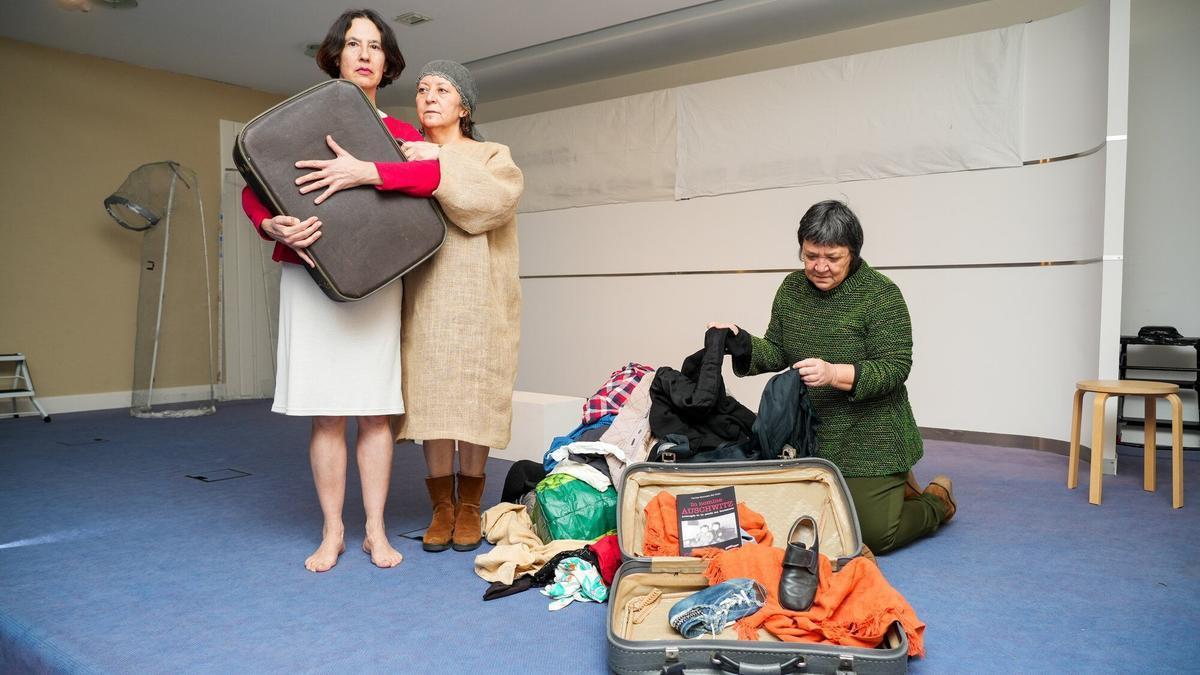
x,y
671,654
666,456
788,452
845,665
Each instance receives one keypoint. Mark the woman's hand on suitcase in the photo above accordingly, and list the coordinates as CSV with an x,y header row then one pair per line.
x,y
294,233
415,151
342,172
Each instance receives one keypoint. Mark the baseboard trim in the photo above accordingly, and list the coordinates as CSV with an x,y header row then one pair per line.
x,y
110,400
1001,440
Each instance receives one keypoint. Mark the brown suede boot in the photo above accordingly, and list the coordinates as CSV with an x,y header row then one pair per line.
x,y
441,528
943,489
468,528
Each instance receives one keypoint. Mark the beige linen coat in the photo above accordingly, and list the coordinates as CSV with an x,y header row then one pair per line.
x,y
462,307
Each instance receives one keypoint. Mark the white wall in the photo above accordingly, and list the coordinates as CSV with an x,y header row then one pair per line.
x,y
1162,233
998,347
1162,213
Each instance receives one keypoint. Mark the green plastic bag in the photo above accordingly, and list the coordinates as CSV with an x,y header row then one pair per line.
x,y
568,508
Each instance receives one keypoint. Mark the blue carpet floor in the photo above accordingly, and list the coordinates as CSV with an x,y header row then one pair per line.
x,y
113,560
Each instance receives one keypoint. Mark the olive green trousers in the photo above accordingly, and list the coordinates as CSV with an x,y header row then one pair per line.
x,y
886,519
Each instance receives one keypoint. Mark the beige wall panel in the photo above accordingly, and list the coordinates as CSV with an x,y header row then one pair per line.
x,y
73,127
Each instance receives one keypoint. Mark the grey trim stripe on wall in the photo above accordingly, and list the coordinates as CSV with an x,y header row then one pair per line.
x,y
1060,158
1043,263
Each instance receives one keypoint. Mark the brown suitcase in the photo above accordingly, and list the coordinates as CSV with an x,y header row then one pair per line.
x,y
369,237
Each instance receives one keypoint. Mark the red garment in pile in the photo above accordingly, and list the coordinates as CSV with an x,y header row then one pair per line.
x,y
608,554
614,393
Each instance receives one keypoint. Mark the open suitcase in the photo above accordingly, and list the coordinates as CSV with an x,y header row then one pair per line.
x,y
369,237
781,491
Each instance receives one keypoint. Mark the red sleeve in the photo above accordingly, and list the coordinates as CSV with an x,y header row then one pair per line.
x,y
418,179
256,211
402,130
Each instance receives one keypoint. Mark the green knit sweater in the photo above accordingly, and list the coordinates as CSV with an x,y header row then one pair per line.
x,y
869,430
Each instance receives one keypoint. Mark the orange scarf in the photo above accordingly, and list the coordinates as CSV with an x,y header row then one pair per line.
x,y
662,526
855,606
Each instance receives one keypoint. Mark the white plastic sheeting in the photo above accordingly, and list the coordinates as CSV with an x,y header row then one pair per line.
x,y
621,150
946,105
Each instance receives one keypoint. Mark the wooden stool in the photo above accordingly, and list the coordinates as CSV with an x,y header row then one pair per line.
x,y
1150,391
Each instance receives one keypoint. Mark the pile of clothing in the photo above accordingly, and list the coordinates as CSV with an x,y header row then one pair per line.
x,y
642,414
572,493
555,528
567,570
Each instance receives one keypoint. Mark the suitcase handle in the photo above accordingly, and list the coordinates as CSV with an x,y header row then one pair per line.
x,y
728,665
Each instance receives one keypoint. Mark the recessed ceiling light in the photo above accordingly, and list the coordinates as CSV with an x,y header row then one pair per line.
x,y
80,5
412,18
86,5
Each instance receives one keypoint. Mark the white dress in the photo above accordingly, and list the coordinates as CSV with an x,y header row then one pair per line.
x,y
337,358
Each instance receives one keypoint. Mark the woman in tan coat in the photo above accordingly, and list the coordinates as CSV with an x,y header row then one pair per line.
x,y
462,309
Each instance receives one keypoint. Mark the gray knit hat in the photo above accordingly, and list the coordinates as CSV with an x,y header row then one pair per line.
x,y
457,75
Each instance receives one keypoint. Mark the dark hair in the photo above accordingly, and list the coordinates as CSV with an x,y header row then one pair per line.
x,y
330,53
467,125
831,223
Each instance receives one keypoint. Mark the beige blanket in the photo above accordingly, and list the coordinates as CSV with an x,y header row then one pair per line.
x,y
518,549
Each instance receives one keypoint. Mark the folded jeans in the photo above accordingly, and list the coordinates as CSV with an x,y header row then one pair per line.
x,y
716,607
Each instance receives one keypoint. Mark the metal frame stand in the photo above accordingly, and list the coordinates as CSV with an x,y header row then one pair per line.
x,y
21,387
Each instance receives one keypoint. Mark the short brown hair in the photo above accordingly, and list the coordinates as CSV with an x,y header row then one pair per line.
x,y
330,53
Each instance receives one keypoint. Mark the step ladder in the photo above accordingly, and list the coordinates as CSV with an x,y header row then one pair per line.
x,y
20,387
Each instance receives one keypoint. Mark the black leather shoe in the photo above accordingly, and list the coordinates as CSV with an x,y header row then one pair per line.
x,y
801,566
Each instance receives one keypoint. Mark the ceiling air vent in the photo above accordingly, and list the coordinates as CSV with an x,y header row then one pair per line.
x,y
412,18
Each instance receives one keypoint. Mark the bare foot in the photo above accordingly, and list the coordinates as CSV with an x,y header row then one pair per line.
x,y
381,552
325,557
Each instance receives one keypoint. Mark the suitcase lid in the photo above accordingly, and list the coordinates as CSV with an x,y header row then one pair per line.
x,y
781,490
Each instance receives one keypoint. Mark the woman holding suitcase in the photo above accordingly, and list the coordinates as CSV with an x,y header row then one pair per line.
x,y
342,360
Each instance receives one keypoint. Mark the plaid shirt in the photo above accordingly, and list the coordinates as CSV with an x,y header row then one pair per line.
x,y
614,393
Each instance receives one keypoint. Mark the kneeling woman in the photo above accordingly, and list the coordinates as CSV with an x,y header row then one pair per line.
x,y
846,328
339,360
